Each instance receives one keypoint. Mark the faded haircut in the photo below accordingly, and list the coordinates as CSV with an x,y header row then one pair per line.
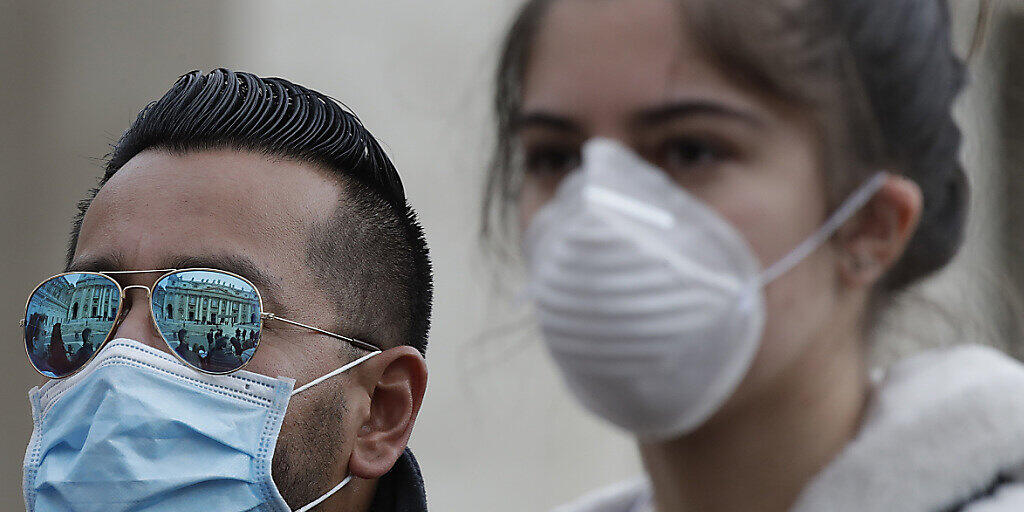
x,y
370,256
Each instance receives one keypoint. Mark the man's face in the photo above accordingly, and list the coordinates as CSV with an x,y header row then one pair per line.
x,y
251,215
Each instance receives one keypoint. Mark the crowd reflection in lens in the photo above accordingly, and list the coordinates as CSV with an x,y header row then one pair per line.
x,y
68,318
211,319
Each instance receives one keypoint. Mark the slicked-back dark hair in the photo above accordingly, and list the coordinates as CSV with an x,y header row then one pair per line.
x,y
371,255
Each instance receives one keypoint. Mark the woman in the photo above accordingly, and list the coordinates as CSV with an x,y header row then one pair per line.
x,y
717,200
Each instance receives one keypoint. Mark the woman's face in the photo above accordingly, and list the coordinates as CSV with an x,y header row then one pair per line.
x,y
628,70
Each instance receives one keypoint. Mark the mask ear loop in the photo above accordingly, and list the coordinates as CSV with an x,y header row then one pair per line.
x,y
312,383
847,209
325,496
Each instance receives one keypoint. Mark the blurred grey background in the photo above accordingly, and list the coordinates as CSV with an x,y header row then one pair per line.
x,y
497,431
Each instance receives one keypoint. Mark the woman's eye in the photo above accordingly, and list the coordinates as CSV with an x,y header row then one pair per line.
x,y
551,161
684,154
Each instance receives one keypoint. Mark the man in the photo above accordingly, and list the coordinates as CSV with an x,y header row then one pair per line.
x,y
283,186
191,355
85,351
222,356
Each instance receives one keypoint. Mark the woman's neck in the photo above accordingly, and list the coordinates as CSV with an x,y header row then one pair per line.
x,y
759,455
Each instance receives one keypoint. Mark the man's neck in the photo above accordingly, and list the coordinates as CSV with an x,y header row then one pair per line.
x,y
358,499
760,456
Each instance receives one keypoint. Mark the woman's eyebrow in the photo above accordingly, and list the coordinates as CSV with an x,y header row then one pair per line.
x,y
668,112
544,119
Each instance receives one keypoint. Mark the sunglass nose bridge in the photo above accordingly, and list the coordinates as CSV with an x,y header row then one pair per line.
x,y
138,286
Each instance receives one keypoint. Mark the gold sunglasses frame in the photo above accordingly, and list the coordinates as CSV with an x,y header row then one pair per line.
x,y
121,314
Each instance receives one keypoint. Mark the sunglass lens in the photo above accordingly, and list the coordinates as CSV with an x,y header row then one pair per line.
x,y
67,319
210,318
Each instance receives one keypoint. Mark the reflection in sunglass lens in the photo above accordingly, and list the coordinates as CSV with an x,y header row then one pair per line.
x,y
67,320
210,318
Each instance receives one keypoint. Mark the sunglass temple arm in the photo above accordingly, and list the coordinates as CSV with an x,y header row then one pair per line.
x,y
361,344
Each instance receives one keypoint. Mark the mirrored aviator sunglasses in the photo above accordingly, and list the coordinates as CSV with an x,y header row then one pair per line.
x,y
210,319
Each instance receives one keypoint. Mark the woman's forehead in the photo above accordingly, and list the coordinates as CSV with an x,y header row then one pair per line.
x,y
611,60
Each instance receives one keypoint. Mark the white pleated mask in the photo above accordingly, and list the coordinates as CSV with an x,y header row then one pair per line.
x,y
650,303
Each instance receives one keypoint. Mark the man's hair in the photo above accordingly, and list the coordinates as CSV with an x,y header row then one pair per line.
x,y
371,256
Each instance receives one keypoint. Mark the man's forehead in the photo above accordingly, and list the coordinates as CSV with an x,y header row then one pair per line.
x,y
224,176
208,188
161,206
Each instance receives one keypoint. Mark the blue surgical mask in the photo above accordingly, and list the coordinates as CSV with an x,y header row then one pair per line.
x,y
138,430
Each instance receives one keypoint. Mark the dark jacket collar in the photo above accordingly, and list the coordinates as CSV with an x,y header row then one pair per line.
x,y
401,489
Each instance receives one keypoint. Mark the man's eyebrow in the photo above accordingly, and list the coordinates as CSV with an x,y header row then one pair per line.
x,y
235,264
661,114
542,119
245,267
106,263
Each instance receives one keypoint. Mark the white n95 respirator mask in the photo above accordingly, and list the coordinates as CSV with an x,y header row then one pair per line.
x,y
650,303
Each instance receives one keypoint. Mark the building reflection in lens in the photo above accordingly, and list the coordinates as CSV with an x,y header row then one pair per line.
x,y
68,317
210,319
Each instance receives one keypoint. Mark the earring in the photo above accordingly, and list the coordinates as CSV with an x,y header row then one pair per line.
x,y
862,262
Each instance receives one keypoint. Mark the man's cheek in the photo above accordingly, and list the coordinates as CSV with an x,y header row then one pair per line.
x,y
313,427
297,465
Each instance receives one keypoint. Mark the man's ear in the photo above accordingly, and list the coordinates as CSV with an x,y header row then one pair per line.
x,y
875,239
396,380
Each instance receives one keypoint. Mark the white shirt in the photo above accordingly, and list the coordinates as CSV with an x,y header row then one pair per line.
x,y
944,432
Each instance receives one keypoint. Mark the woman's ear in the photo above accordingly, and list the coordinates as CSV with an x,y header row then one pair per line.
x,y
396,380
875,239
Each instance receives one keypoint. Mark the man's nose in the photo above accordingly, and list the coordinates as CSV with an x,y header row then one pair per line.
x,y
138,322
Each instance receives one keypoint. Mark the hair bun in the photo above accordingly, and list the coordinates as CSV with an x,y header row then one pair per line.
x,y
939,233
912,76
